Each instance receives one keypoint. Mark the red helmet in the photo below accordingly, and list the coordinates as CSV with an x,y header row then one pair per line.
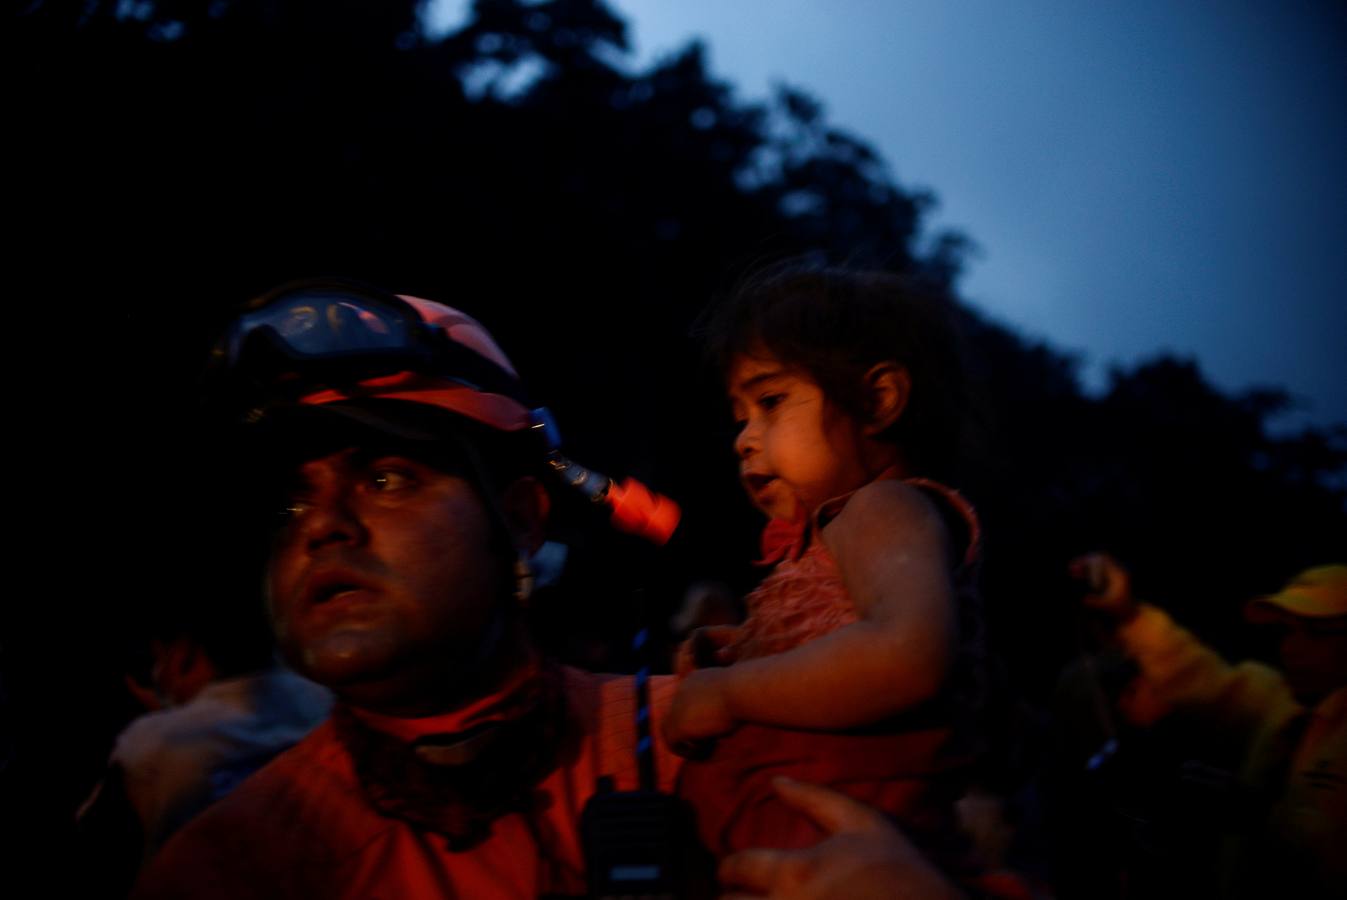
x,y
327,342
362,354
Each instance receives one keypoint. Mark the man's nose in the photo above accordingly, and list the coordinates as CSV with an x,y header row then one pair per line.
x,y
332,518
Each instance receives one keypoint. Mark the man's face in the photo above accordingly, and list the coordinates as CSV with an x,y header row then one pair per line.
x,y
385,580
1314,655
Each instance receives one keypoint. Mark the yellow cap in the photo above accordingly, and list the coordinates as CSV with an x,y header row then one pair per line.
x,y
1317,593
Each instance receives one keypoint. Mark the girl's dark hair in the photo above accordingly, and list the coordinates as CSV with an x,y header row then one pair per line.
x,y
836,324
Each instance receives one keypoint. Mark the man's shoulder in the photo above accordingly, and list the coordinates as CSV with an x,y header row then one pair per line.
x,y
303,808
311,780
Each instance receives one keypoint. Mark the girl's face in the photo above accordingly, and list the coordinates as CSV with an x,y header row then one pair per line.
x,y
796,449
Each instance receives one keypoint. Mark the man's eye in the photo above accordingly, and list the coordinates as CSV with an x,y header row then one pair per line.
x,y
292,508
387,480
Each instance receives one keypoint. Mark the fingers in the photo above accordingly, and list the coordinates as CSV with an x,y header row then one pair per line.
x,y
1109,583
704,650
1110,580
755,870
709,645
719,634
684,659
677,732
1089,569
693,749
145,696
831,811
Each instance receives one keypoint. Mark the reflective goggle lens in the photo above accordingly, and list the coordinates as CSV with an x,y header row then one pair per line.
x,y
318,325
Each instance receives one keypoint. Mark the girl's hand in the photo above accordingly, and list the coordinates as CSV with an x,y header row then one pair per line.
x,y
700,712
706,648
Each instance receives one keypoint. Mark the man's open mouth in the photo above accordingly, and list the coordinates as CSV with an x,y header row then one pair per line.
x,y
327,587
334,591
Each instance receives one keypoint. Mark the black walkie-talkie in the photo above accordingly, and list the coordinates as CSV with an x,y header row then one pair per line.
x,y
636,844
640,844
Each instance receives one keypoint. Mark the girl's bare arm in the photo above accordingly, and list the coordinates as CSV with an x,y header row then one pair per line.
x,y
891,548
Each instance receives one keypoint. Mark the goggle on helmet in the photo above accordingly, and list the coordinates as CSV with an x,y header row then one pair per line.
x,y
321,342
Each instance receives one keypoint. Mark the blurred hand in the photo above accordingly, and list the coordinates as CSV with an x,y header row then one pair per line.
x,y
145,695
863,857
699,712
1110,585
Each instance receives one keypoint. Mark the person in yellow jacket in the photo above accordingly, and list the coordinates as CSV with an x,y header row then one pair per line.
x,y
1290,724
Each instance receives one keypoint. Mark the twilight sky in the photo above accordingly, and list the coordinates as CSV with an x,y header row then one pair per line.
x,y
1138,176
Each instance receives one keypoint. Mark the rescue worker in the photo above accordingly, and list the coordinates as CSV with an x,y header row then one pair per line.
x,y
1289,724
456,761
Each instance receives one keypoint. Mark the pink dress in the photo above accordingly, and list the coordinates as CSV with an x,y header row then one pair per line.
x,y
909,766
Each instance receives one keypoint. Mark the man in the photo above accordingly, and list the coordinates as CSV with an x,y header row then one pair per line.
x,y
456,761
1289,725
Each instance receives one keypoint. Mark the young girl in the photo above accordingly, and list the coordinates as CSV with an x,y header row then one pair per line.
x,y
849,669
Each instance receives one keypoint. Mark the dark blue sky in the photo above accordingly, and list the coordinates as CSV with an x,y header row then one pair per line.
x,y
1139,176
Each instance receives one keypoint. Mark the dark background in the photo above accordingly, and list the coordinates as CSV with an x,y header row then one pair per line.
x,y
170,159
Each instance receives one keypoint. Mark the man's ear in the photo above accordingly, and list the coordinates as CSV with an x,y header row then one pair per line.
x,y
526,505
887,389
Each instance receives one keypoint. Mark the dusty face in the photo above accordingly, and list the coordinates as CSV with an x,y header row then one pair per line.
x,y
384,583
795,449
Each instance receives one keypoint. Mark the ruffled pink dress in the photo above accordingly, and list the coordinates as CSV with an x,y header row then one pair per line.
x,y
910,766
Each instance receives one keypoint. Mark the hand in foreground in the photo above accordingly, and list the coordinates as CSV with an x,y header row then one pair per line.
x,y
863,857
699,712
144,694
1110,585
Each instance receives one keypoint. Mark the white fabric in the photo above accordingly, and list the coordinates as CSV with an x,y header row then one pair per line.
x,y
177,761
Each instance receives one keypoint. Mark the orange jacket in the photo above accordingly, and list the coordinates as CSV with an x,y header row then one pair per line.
x,y
302,827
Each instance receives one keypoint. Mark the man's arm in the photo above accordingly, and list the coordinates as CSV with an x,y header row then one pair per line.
x,y
1179,675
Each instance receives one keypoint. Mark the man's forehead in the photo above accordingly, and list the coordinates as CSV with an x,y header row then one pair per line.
x,y
291,435
338,458
356,454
